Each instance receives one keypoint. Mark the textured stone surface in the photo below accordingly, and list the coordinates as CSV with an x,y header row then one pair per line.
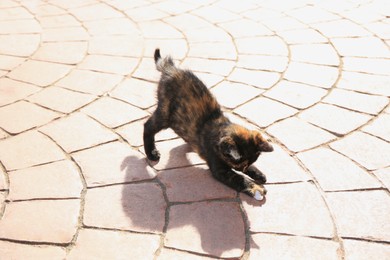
x,y
214,228
78,81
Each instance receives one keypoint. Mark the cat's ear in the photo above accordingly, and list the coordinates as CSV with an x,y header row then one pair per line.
x,y
265,146
229,148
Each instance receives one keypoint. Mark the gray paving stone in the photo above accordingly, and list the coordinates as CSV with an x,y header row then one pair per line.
x,y
298,135
361,214
335,172
334,119
369,151
302,201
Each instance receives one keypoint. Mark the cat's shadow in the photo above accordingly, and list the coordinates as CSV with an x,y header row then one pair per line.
x,y
141,215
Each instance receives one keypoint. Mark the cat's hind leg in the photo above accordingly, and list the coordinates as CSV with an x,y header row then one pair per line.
x,y
154,125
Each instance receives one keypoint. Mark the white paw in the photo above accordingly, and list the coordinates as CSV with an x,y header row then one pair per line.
x,y
258,196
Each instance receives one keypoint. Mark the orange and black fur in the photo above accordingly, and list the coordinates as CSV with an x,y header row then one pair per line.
x,y
187,106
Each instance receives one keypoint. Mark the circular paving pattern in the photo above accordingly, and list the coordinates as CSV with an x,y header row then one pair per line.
x,y
77,81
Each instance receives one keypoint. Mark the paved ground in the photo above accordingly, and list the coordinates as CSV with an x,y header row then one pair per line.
x,y
77,82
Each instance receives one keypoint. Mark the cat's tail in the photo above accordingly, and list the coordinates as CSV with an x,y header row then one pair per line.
x,y
165,65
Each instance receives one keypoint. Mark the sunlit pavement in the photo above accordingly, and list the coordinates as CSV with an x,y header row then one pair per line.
x,y
77,82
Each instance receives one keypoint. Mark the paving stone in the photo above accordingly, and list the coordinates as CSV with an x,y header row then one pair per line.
x,y
214,14
296,94
235,28
50,221
187,21
235,7
112,163
172,7
55,180
61,52
28,149
291,247
135,207
379,127
145,14
113,113
283,24
115,26
117,45
109,64
361,47
367,65
3,182
317,75
159,30
368,151
212,228
11,250
262,62
136,92
298,135
268,45
264,111
176,153
257,78
302,201
176,47
73,133
193,184
209,80
302,36
379,28
339,174
384,176
314,53
219,67
356,101
170,254
260,14
341,28
207,34
89,82
31,72
366,83
10,62
215,50
279,167
12,90
335,119
22,26
106,244
311,14
58,21
230,94
3,134
69,34
95,12
360,250
364,14
362,214
146,70
17,13
22,45
60,99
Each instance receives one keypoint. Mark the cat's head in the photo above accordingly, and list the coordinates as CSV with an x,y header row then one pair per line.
x,y
240,147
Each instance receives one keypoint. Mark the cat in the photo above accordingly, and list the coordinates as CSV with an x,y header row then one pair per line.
x,y
187,106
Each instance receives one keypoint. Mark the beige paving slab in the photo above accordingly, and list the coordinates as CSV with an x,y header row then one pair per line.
x,y
114,26
109,64
51,221
379,127
137,207
22,45
112,163
12,90
93,243
55,180
212,228
355,249
28,149
10,250
291,247
61,52
68,34
73,133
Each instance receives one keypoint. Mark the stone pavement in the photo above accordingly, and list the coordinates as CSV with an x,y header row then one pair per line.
x,y
77,82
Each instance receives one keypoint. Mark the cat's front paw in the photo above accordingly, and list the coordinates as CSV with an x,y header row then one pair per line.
x,y
256,175
256,191
154,155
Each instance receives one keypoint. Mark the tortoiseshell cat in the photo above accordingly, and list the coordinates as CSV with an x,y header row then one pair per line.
x,y
187,106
